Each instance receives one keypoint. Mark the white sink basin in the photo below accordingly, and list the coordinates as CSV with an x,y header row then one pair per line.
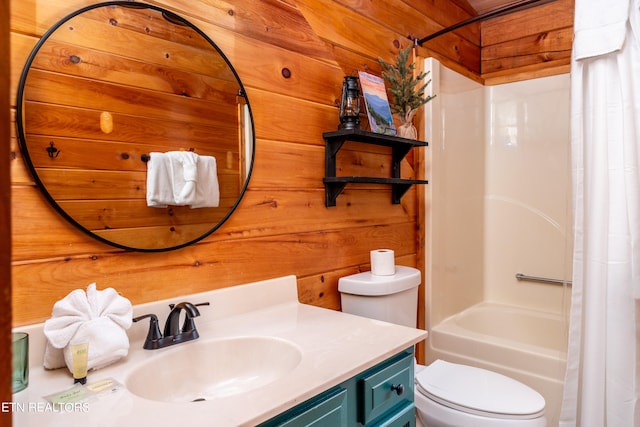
x,y
206,370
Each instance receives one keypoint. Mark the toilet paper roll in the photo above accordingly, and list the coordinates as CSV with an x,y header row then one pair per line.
x,y
383,262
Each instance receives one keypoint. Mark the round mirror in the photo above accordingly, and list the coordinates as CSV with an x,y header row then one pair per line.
x,y
121,107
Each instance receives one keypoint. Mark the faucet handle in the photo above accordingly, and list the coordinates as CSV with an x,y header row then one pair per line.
x,y
189,325
200,304
188,306
154,335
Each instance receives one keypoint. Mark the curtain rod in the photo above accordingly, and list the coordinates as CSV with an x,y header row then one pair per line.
x,y
513,7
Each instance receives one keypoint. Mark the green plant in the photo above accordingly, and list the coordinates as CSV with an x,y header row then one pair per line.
x,y
406,93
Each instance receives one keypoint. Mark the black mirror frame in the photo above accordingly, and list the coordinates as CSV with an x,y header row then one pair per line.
x,y
172,17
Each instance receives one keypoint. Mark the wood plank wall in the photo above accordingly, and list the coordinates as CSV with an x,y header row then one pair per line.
x,y
282,226
528,44
291,56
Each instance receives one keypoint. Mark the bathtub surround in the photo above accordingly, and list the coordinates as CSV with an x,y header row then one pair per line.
x,y
603,381
499,204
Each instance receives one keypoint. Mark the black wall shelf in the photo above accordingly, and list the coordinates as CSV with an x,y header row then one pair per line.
x,y
400,147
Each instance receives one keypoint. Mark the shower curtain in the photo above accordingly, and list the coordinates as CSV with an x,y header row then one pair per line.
x,y
601,384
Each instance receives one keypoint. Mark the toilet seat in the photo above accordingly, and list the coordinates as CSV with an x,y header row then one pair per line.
x,y
479,391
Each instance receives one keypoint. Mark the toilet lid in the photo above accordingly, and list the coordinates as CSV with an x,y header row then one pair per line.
x,y
478,391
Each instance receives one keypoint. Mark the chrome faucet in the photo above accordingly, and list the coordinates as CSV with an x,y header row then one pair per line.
x,y
173,334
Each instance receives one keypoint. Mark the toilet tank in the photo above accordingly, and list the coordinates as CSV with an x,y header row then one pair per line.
x,y
392,298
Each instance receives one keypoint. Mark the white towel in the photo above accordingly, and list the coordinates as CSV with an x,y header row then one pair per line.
x,y
97,317
172,178
159,186
181,178
184,175
207,188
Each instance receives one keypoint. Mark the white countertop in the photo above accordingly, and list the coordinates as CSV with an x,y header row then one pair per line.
x,y
335,346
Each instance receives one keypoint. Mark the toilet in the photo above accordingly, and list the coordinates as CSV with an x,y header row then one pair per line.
x,y
446,394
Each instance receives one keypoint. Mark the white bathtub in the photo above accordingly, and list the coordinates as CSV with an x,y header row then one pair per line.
x,y
524,344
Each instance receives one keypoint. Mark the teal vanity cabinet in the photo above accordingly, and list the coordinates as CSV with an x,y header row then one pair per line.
x,y
327,409
381,396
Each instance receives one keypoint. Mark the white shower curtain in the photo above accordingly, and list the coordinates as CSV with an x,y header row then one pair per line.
x,y
601,384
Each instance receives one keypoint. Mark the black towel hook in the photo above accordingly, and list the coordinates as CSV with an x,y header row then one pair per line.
x,y
52,151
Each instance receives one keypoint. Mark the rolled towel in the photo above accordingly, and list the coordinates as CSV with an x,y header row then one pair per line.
x,y
100,318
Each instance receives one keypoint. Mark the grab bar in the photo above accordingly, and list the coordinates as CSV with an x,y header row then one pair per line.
x,y
521,276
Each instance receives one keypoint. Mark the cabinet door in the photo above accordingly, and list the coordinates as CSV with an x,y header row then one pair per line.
x,y
405,417
327,410
385,388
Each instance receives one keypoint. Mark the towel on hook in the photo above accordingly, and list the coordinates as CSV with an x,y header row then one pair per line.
x,y
159,185
184,174
100,318
207,188
171,178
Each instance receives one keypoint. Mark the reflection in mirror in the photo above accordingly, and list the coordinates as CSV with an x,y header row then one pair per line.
x,y
107,86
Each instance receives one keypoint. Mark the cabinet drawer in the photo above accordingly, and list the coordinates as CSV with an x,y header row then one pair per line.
x,y
326,410
405,417
386,387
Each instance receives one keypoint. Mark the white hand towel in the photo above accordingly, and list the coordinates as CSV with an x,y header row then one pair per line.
x,y
172,178
207,188
97,317
184,176
159,185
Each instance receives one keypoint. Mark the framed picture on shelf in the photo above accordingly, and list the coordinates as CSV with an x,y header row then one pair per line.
x,y
376,103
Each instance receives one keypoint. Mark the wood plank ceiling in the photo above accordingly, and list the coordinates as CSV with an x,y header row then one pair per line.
x,y
478,7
